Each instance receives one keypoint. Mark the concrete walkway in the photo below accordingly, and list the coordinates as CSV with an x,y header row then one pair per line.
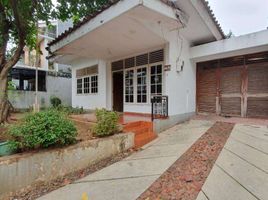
x,y
129,178
241,170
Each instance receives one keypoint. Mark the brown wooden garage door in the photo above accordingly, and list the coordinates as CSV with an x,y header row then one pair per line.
x,y
207,91
257,100
234,87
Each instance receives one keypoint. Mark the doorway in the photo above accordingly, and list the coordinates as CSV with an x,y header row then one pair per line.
x,y
118,91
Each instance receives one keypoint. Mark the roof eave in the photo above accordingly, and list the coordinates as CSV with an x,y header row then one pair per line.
x,y
100,18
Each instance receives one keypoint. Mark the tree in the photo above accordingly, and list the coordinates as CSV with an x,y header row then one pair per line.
x,y
18,19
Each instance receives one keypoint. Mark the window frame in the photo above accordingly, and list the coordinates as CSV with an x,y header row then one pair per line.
x,y
134,94
90,86
147,85
82,84
162,78
97,84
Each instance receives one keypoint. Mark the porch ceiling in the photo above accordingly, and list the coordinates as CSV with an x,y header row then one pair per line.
x,y
136,30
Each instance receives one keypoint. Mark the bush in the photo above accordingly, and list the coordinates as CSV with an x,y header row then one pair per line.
x,y
107,123
70,110
55,101
43,130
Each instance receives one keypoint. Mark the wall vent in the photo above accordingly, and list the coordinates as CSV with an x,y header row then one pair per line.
x,y
142,59
156,56
130,62
117,65
87,71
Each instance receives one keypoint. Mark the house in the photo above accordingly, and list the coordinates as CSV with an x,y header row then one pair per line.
x,y
172,53
53,79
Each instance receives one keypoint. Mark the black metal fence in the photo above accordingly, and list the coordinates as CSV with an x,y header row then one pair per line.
x,y
159,107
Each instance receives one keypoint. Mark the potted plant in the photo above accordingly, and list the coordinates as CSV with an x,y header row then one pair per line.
x,y
4,144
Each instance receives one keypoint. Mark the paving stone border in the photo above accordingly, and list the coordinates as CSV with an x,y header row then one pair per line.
x,y
185,178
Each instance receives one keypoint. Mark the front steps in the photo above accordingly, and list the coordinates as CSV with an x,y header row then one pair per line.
x,y
143,132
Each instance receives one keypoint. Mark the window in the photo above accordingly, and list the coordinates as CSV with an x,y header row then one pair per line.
x,y
129,86
94,84
24,79
79,86
156,80
142,85
87,80
86,85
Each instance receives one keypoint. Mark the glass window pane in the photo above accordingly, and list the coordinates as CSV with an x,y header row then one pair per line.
x,y
129,86
153,70
159,69
131,98
152,89
159,89
144,98
139,99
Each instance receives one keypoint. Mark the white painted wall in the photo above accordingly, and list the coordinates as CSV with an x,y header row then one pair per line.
x,y
90,101
245,44
180,86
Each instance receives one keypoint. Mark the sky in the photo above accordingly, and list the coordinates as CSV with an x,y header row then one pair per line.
x,y
241,16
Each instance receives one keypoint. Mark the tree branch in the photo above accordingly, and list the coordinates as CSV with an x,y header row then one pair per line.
x,y
21,33
4,24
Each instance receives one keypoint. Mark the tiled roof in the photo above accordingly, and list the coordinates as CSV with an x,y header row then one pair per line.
x,y
113,2
213,17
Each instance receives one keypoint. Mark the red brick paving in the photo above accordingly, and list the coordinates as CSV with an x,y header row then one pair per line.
x,y
185,178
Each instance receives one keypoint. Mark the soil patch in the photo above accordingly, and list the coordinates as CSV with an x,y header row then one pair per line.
x,y
185,178
83,130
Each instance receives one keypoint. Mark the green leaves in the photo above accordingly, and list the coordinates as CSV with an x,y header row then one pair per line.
x,y
43,130
20,19
107,123
55,101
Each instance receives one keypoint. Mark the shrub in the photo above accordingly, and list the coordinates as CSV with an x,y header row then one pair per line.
x,y
107,123
43,130
55,101
70,110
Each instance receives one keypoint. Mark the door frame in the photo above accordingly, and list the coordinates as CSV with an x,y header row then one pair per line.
x,y
122,72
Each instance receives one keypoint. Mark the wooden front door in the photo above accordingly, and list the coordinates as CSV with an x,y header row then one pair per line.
x,y
118,91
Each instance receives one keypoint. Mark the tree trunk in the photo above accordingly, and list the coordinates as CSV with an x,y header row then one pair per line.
x,y
4,105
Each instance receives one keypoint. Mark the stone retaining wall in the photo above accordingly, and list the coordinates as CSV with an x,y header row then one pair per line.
x,y
21,170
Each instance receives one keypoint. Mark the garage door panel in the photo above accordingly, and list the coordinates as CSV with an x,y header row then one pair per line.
x,y
231,106
257,107
230,91
207,105
258,78
231,88
231,80
206,92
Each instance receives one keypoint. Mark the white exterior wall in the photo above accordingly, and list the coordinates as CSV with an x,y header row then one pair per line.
x,y
235,46
180,86
90,101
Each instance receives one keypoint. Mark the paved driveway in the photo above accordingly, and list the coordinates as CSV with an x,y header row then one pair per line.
x,y
241,170
129,178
